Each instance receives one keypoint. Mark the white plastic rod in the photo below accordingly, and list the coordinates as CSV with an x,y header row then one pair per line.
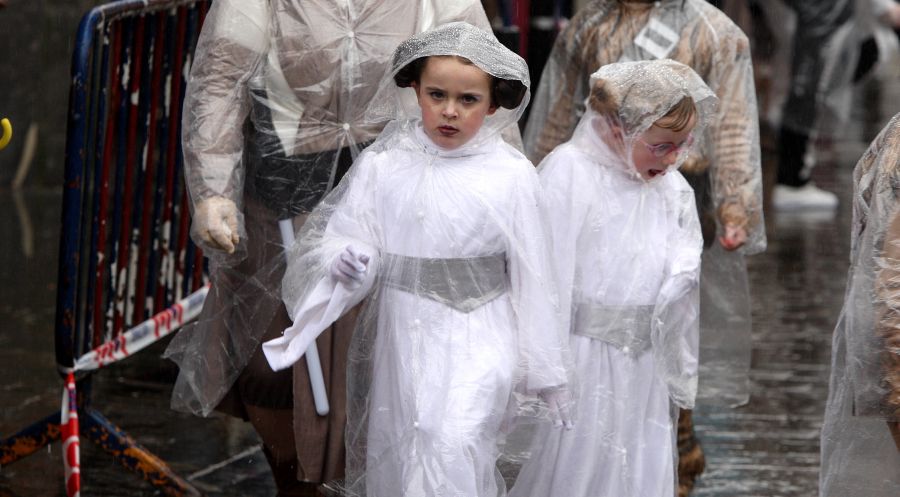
x,y
316,380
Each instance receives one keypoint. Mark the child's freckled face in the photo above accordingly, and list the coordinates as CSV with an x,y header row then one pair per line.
x,y
658,148
455,98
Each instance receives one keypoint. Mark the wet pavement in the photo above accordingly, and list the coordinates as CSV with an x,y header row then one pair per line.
x,y
770,447
767,448
133,394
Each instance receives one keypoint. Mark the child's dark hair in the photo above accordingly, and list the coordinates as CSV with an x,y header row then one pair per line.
x,y
505,93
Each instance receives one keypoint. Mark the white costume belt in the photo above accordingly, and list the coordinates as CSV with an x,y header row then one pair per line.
x,y
463,284
624,326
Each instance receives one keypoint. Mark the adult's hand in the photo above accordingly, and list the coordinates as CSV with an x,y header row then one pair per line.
x,y
215,221
892,16
734,237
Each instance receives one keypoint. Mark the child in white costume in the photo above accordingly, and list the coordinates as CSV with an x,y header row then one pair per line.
x,y
437,224
626,242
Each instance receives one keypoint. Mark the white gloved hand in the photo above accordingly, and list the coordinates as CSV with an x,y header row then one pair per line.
x,y
350,267
215,221
559,400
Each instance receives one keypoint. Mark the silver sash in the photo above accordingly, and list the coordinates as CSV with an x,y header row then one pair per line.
x,y
464,284
625,326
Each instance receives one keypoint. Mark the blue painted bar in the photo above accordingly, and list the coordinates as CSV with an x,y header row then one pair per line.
x,y
130,454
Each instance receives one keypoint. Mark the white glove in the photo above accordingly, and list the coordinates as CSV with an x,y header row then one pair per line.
x,y
559,400
215,221
350,267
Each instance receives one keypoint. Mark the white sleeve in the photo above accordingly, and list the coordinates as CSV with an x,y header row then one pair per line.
x,y
565,210
542,343
675,327
345,217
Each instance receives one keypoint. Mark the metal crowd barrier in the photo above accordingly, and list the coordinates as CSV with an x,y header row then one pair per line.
x,y
126,262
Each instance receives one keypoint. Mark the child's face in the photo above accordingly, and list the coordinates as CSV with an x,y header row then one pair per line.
x,y
658,148
455,98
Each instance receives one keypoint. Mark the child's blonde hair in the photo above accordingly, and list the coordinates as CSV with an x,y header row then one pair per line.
x,y
606,103
679,116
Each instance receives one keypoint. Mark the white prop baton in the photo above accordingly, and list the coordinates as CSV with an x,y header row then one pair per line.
x,y
316,380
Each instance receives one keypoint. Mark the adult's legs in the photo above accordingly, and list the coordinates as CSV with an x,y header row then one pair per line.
x,y
265,397
279,449
817,22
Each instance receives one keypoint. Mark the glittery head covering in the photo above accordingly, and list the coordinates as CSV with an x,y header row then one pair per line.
x,y
640,93
395,101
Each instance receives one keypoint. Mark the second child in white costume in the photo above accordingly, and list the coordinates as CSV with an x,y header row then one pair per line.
x,y
626,242
437,225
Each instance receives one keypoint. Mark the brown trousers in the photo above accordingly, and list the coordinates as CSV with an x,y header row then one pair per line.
x,y
317,440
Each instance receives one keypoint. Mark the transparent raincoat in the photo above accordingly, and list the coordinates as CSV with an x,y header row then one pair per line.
x,y
627,261
460,330
861,434
723,169
823,57
276,109
825,52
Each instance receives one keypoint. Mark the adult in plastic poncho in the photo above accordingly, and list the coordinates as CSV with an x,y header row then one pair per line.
x,y
626,245
437,226
825,53
724,169
274,114
861,434
822,26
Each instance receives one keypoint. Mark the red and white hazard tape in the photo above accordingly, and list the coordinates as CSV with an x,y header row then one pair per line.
x,y
145,333
114,350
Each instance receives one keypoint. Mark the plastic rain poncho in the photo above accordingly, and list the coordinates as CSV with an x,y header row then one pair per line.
x,y
824,58
275,111
860,455
460,310
824,52
627,261
817,46
305,72
724,167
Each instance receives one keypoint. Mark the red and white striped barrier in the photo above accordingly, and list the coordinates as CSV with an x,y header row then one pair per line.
x,y
68,427
114,350
145,333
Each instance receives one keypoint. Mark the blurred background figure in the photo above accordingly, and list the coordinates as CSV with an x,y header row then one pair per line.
x,y
861,436
832,47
